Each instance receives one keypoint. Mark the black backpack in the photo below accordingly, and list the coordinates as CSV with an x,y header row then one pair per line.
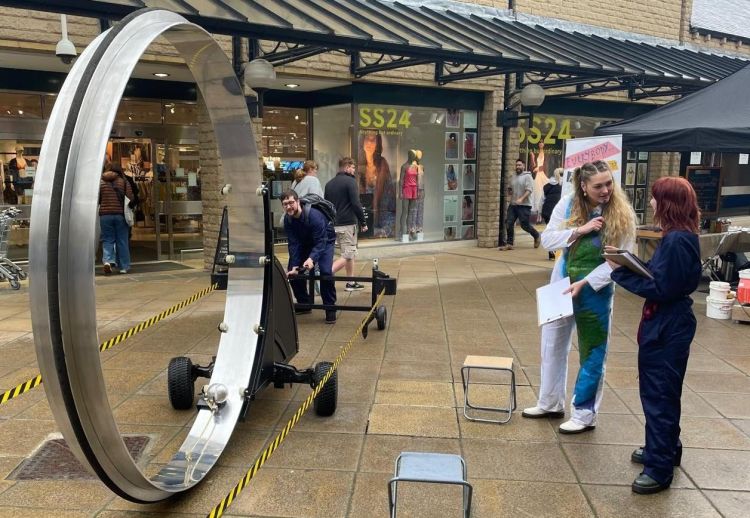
x,y
323,205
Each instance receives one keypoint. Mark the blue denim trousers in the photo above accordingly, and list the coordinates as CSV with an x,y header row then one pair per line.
x,y
115,240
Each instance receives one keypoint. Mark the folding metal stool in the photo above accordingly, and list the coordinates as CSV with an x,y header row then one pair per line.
x,y
431,468
490,363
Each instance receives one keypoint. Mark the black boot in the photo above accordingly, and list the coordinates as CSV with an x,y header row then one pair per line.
x,y
645,485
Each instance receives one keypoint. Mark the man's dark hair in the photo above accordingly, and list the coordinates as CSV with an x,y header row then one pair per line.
x,y
345,162
291,193
520,160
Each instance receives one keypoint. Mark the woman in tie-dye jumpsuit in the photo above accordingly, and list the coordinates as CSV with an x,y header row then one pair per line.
x,y
596,214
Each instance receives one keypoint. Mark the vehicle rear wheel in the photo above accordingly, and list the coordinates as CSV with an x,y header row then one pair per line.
x,y
325,403
381,316
181,383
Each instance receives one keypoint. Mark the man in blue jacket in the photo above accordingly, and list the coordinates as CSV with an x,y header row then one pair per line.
x,y
311,239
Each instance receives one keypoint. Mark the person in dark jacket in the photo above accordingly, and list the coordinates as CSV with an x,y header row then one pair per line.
x,y
341,190
114,229
552,192
667,328
311,238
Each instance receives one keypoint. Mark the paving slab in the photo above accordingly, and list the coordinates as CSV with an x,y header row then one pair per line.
x,y
400,390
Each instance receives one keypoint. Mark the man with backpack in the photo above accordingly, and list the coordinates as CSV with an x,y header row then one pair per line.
x,y
343,192
308,224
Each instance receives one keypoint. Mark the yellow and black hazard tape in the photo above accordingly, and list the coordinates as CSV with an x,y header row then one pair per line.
x,y
156,318
222,506
37,380
22,388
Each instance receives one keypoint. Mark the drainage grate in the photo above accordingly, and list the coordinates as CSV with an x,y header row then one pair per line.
x,y
55,461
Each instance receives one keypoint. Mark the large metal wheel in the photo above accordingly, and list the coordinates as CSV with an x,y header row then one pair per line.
x,y
62,244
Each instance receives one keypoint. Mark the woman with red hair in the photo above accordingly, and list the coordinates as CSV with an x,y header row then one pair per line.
x,y
666,330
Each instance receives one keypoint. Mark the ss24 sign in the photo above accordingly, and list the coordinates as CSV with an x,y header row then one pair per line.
x,y
384,118
550,134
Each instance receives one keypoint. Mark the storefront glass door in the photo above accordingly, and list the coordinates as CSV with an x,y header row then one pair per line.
x,y
177,201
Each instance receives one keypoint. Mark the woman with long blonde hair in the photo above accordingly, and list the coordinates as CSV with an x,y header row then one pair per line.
x,y
595,215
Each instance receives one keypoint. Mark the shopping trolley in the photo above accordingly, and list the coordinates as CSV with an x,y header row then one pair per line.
x,y
9,270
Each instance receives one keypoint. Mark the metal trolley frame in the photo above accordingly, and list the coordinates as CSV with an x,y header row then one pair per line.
x,y
9,271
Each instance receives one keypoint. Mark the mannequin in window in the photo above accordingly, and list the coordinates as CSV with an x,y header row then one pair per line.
x,y
410,183
539,173
17,165
419,216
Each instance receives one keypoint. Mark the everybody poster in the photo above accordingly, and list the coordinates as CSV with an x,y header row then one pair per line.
x,y
590,149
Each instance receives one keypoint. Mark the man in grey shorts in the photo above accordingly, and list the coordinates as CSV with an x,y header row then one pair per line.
x,y
342,191
520,205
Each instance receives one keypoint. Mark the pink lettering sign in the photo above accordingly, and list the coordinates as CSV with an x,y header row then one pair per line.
x,y
599,152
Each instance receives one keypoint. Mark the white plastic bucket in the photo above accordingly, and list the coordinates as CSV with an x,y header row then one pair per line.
x,y
720,309
719,290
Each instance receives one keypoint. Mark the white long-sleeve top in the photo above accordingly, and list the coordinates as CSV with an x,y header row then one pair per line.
x,y
556,236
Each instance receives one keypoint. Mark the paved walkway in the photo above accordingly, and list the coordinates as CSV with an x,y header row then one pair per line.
x,y
399,390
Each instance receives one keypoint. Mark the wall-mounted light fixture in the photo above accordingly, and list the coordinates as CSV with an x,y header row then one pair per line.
x,y
259,75
532,97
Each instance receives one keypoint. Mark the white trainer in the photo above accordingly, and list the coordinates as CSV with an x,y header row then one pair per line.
x,y
536,412
571,427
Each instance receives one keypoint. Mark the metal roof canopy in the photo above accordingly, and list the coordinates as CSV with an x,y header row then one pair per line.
x,y
383,35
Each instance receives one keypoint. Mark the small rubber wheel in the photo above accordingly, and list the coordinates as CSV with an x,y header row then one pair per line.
x,y
22,274
381,315
180,383
14,284
325,403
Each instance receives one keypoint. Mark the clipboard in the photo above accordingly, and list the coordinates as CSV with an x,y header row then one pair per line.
x,y
551,304
630,261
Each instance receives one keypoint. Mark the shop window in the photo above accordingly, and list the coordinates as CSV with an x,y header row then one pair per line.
x,y
180,113
332,138
139,112
48,102
416,169
285,133
635,182
20,106
542,146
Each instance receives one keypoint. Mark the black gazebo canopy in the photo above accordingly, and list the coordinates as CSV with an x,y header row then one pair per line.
x,y
716,118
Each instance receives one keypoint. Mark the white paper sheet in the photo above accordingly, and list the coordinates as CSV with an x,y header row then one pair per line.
x,y
551,304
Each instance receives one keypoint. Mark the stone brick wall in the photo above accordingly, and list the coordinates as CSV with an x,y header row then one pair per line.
x,y
711,43
659,165
27,30
488,183
659,18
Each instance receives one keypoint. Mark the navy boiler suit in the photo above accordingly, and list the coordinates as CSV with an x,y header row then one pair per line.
x,y
312,236
666,330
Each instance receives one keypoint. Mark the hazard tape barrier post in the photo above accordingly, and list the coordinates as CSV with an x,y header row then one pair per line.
x,y
222,506
34,382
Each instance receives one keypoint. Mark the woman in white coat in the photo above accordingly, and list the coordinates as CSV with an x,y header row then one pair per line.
x,y
595,215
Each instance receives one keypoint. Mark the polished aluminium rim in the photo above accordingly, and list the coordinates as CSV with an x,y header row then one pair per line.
x,y
63,245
